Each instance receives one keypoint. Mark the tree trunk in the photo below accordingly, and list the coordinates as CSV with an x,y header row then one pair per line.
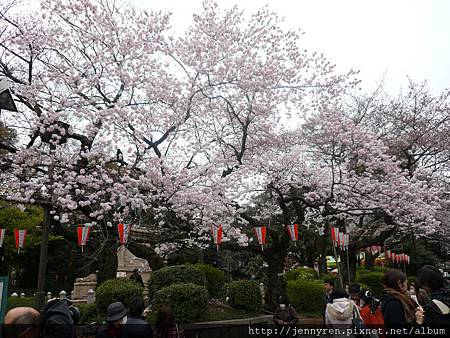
x,y
107,261
276,285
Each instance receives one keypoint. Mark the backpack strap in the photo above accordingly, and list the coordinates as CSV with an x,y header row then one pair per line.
x,y
441,307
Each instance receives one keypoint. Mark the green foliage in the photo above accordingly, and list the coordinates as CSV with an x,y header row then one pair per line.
x,y
303,274
187,300
20,301
245,294
223,313
116,290
215,279
373,282
175,274
412,279
305,296
327,277
89,314
255,269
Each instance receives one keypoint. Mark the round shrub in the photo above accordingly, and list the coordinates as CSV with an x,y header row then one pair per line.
x,y
173,275
306,296
215,279
88,314
304,274
373,282
187,300
116,290
245,294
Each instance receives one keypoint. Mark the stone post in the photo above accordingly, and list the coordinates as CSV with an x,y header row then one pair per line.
x,y
90,296
63,295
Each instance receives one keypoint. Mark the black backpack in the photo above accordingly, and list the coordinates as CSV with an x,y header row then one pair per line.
x,y
437,312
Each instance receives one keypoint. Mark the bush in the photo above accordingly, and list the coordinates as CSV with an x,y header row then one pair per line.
x,y
305,296
215,279
187,300
245,294
116,290
304,274
89,314
20,301
412,279
373,282
174,275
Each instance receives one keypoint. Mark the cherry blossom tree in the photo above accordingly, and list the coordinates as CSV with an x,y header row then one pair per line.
x,y
116,115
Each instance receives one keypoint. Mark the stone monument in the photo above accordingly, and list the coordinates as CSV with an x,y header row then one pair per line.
x,y
127,262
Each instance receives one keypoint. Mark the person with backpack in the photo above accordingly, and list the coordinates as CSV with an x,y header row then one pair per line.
x,y
341,313
437,310
371,311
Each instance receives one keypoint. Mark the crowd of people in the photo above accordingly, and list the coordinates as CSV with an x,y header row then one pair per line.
x,y
58,319
401,305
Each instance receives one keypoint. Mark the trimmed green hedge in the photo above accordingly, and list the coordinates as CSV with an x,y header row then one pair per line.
x,y
187,300
245,294
89,314
373,282
305,296
304,274
116,290
215,279
20,301
173,275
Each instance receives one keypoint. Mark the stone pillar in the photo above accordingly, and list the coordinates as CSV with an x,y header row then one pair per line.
x,y
90,296
63,295
261,288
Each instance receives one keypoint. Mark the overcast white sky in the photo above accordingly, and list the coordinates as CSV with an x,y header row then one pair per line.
x,y
392,37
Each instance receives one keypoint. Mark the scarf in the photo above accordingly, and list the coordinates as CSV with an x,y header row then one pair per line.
x,y
409,305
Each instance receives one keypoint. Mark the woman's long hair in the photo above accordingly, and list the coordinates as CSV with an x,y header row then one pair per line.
x,y
165,320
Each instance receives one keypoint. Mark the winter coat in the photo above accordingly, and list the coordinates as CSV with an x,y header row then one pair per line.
x,y
372,319
339,314
57,320
287,315
394,315
437,310
137,327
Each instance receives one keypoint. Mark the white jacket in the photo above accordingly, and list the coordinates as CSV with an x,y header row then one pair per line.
x,y
340,312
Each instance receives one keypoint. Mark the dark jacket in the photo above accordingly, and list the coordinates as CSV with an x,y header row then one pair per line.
x,y
57,320
394,315
110,332
326,300
433,314
137,327
287,315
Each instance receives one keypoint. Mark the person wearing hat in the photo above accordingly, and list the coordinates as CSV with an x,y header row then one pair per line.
x,y
116,317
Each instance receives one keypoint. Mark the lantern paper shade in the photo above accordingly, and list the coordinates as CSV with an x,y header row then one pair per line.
x,y
124,232
20,237
2,236
217,235
83,235
293,232
260,233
